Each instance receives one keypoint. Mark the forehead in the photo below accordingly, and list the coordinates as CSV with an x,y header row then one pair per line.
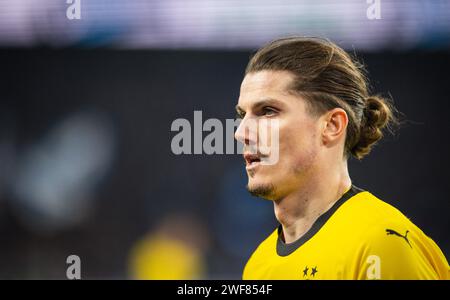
x,y
266,84
266,81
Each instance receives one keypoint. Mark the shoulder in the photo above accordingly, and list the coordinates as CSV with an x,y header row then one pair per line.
x,y
384,237
266,246
402,251
365,213
262,254
372,209
379,224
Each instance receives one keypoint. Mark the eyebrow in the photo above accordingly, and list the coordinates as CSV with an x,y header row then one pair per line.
x,y
260,103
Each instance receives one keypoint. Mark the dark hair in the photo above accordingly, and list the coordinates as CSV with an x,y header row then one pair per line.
x,y
327,77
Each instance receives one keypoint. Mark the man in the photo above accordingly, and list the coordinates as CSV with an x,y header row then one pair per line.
x,y
329,229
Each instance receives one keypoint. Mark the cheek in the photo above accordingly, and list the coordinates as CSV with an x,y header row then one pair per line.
x,y
299,145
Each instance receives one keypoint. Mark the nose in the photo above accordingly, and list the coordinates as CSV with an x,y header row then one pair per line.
x,y
246,132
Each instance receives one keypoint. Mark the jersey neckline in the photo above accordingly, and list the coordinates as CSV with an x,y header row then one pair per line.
x,y
284,249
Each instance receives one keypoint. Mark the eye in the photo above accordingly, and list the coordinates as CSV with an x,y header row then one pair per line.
x,y
239,115
269,111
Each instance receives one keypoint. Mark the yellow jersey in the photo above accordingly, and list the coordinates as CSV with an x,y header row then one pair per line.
x,y
360,237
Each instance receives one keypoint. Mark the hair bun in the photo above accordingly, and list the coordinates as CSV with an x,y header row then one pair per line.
x,y
376,112
376,116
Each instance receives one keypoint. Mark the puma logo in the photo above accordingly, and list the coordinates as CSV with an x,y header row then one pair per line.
x,y
390,231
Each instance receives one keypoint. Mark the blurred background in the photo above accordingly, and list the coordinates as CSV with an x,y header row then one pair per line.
x,y
89,90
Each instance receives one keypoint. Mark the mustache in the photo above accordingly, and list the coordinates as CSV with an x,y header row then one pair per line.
x,y
255,150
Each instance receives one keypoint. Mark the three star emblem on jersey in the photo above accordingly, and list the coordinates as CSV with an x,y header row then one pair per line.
x,y
312,274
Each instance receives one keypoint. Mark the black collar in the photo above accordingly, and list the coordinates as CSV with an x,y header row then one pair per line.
x,y
284,249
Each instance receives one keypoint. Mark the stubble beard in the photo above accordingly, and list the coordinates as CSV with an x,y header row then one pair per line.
x,y
265,191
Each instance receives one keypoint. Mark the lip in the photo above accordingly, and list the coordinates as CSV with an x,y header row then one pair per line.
x,y
252,165
251,160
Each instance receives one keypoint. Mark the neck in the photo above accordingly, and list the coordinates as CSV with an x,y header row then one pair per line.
x,y
298,210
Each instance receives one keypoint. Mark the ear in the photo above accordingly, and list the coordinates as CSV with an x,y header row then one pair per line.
x,y
335,124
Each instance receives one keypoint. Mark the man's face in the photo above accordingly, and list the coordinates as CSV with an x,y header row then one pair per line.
x,y
264,96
